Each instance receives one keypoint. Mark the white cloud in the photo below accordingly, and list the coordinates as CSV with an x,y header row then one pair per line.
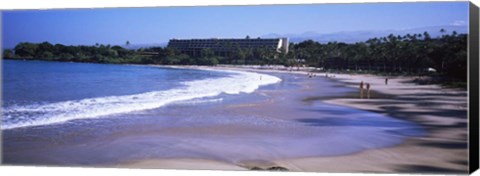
x,y
458,23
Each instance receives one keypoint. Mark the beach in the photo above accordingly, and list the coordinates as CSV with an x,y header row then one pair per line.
x,y
442,112
258,119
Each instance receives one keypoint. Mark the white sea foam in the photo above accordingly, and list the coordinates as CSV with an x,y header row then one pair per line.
x,y
36,115
199,101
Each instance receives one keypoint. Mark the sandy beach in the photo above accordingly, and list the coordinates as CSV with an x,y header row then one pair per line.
x,y
440,111
299,122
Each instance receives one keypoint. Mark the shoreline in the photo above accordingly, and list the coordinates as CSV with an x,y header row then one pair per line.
x,y
281,112
441,111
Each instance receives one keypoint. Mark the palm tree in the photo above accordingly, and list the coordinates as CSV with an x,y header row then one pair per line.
x,y
442,31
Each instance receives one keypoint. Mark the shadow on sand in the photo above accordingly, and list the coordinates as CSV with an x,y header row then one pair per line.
x,y
427,169
394,106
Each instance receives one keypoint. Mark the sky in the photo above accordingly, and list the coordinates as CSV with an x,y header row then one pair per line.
x,y
157,25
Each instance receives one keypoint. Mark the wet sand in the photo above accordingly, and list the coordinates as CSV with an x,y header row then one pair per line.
x,y
441,112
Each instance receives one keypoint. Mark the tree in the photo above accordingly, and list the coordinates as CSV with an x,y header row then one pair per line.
x,y
46,55
454,33
45,46
207,52
442,31
238,56
8,53
25,50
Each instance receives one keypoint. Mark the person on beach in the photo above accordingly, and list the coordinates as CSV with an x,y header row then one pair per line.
x,y
361,89
386,81
368,90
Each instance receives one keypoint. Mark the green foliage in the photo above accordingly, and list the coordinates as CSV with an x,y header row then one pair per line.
x,y
207,52
8,53
207,61
58,52
25,50
408,54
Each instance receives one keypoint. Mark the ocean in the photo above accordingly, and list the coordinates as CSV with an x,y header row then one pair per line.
x,y
81,114
42,93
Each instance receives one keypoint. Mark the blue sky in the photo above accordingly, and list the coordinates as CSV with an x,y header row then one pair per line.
x,y
157,25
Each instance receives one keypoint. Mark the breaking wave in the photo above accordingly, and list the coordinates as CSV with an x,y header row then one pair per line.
x,y
46,114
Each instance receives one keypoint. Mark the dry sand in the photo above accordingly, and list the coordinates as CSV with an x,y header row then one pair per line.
x,y
182,163
442,112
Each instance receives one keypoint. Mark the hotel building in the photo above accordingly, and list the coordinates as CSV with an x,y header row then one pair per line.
x,y
223,47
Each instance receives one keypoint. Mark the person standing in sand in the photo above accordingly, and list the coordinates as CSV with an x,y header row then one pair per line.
x,y
361,89
368,90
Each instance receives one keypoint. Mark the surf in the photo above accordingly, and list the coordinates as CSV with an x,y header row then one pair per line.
x,y
53,113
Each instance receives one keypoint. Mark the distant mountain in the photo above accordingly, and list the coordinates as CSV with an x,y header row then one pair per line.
x,y
358,36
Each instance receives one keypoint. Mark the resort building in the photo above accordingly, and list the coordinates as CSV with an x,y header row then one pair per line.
x,y
223,47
